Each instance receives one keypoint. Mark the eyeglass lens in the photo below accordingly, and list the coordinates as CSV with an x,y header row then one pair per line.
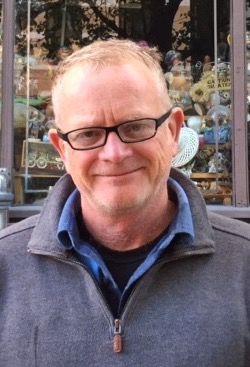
x,y
128,132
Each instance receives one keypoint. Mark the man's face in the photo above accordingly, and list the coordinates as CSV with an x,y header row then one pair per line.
x,y
118,177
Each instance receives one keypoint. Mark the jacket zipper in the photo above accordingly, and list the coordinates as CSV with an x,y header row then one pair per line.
x,y
117,329
118,342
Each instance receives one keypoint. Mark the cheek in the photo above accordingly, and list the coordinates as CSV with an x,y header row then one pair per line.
x,y
71,159
78,163
159,159
66,157
166,149
168,146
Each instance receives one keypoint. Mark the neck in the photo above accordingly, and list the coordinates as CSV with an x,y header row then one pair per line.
x,y
129,232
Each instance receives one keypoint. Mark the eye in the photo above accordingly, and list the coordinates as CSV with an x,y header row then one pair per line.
x,y
87,134
85,138
137,127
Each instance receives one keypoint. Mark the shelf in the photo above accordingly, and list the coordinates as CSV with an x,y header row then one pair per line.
x,y
213,146
36,173
19,182
207,175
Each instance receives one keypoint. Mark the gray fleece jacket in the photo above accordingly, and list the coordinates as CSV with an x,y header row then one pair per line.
x,y
191,309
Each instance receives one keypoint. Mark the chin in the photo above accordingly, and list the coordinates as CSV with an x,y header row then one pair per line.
x,y
121,205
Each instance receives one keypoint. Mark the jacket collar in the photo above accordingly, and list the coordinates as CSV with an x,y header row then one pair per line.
x,y
44,240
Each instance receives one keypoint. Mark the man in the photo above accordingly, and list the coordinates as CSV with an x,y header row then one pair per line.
x,y
124,266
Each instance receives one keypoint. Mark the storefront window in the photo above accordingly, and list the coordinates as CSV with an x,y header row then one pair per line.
x,y
199,78
46,33
248,70
194,37
1,53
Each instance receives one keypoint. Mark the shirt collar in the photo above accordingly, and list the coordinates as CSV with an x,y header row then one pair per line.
x,y
68,232
183,222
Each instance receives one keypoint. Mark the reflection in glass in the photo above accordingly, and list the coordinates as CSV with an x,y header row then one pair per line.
x,y
194,39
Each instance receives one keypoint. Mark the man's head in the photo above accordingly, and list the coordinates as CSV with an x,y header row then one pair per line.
x,y
105,85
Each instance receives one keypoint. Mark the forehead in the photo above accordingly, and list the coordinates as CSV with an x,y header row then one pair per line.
x,y
107,96
127,70
88,81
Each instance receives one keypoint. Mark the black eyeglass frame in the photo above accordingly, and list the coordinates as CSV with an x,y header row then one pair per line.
x,y
158,123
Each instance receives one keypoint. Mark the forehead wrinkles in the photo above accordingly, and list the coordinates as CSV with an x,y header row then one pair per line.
x,y
106,94
135,78
98,64
76,76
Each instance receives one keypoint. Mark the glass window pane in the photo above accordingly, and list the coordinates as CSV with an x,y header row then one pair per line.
x,y
193,36
248,71
199,78
1,52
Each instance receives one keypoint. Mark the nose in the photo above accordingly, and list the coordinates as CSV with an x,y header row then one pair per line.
x,y
115,150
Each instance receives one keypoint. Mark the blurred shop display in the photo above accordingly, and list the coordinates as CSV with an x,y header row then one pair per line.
x,y
207,107
47,31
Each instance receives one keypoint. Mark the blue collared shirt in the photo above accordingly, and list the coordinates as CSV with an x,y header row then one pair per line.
x,y
69,235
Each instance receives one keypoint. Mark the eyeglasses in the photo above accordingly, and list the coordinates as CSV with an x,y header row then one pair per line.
x,y
129,132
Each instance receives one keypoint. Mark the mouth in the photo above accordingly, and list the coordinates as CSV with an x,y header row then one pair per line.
x,y
119,174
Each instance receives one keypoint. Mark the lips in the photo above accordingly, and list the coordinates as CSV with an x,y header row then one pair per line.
x,y
118,174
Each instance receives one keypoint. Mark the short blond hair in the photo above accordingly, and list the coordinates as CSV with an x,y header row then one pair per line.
x,y
100,54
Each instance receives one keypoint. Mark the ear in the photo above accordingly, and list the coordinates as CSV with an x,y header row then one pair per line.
x,y
57,143
175,124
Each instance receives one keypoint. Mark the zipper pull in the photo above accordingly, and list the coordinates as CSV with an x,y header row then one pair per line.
x,y
117,345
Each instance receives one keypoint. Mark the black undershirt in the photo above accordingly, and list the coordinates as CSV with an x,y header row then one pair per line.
x,y
121,264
